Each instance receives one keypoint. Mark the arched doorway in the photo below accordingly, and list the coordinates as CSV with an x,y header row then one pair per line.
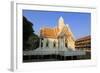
x,y
54,44
66,45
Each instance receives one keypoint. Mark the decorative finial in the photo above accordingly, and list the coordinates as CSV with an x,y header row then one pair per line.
x,y
61,19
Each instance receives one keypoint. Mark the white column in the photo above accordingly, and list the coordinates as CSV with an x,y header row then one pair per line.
x,y
61,43
44,43
58,42
64,42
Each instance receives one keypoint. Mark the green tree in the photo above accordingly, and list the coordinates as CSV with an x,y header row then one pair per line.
x,y
30,39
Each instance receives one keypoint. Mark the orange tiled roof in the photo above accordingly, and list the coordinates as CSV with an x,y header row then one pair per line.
x,y
49,32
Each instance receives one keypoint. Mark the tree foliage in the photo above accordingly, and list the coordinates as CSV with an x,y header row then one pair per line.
x,y
30,39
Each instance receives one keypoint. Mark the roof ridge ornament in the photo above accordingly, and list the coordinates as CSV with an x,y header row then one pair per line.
x,y
61,19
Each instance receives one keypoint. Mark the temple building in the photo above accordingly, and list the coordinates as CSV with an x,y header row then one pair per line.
x,y
56,41
57,37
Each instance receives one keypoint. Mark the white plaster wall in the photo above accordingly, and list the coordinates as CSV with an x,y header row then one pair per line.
x,y
51,40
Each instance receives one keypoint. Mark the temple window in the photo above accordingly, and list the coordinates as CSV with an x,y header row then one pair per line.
x,y
41,38
54,44
47,43
66,45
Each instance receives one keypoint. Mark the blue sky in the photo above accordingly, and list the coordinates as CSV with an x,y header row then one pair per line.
x,y
79,23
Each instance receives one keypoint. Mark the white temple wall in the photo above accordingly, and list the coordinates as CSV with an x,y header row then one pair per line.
x,y
70,43
50,42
